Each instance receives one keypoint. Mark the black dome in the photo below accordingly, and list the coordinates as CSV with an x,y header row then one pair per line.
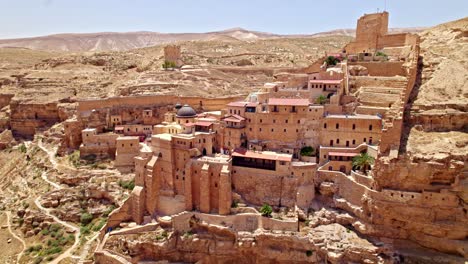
x,y
178,106
186,111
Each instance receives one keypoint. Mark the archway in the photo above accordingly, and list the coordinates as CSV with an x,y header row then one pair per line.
x,y
204,152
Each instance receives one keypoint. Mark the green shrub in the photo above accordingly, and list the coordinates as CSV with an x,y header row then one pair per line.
x,y
321,100
23,148
307,151
169,64
309,253
266,210
74,158
235,204
109,210
85,230
127,184
38,260
331,60
99,225
86,218
53,250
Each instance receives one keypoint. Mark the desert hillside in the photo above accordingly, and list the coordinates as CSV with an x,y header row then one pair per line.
x,y
114,41
55,76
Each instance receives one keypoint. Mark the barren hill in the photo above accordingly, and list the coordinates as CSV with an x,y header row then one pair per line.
x,y
114,41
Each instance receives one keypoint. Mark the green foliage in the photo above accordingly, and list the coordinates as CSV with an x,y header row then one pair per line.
x,y
169,64
53,250
235,204
99,225
38,260
266,210
109,210
162,236
86,218
307,151
127,184
188,234
74,158
331,60
85,230
309,253
23,148
363,162
321,99
382,54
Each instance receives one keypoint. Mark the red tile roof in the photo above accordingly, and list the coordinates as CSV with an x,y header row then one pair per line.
x,y
238,104
289,101
230,119
342,154
238,117
204,124
252,104
261,155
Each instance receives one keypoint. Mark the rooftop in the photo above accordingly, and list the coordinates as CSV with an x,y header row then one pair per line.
x,y
353,116
268,155
326,81
289,101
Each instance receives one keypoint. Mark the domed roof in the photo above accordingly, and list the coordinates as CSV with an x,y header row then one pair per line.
x,y
186,111
178,106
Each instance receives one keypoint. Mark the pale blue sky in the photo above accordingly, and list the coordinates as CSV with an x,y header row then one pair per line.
x,y
26,18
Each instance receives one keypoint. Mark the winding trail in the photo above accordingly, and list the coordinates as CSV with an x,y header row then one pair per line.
x,y
87,246
8,214
76,230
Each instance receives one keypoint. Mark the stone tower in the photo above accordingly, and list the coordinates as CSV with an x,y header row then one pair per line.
x,y
370,28
173,54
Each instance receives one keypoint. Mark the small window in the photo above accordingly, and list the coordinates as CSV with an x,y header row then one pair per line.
x,y
285,130
286,121
354,126
272,130
365,140
260,120
325,126
338,141
337,125
370,127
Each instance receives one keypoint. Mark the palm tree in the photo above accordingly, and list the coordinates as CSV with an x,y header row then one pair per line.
x,y
363,162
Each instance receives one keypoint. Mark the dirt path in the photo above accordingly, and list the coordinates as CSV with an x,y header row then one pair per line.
x,y
87,246
53,160
8,214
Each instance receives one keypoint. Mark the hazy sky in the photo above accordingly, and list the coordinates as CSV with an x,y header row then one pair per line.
x,y
25,18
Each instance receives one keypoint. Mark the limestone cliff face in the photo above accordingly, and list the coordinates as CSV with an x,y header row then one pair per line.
x,y
440,100
427,182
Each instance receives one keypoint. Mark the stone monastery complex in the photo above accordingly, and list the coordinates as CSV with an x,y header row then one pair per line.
x,y
289,145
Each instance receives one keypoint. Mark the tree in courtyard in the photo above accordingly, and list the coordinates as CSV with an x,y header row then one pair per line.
x,y
331,61
307,151
266,210
363,162
321,99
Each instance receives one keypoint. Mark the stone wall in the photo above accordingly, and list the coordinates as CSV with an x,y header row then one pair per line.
x,y
388,68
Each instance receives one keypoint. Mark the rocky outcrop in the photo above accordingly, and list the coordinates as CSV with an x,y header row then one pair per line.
x,y
217,244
